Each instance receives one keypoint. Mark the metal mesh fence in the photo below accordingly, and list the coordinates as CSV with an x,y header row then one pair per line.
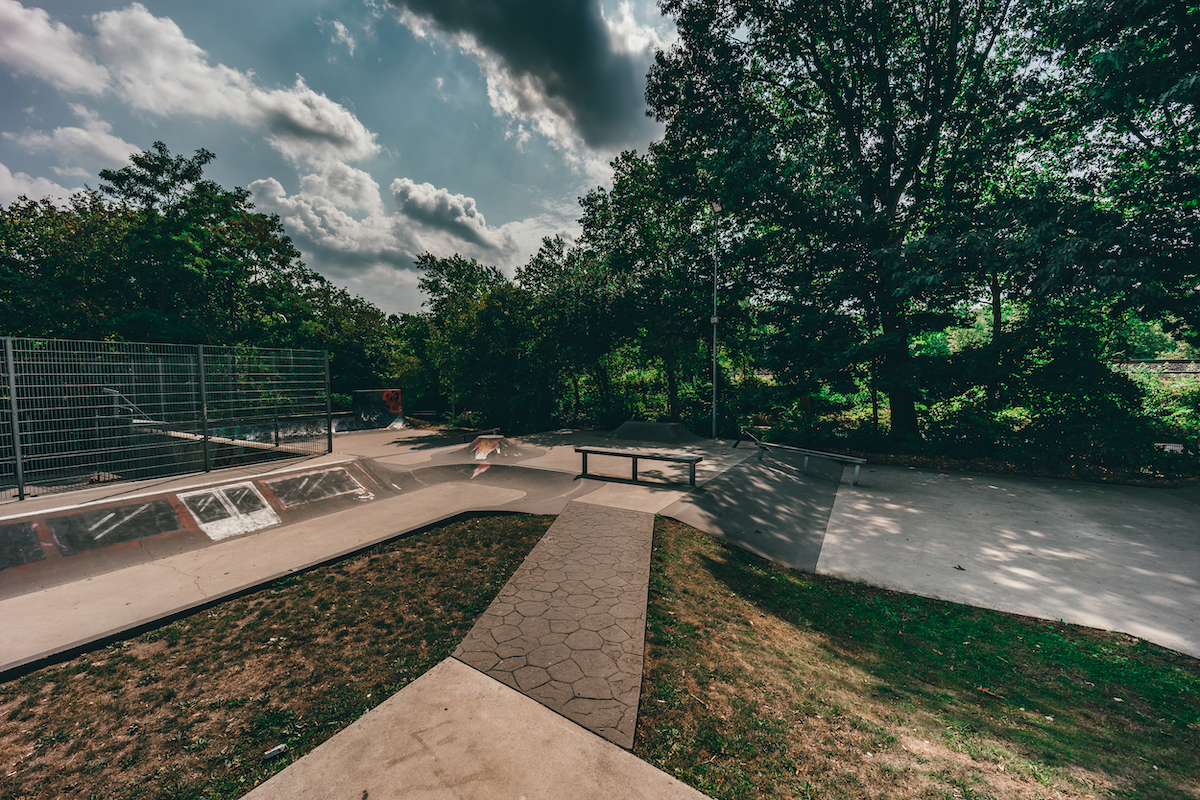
x,y
75,413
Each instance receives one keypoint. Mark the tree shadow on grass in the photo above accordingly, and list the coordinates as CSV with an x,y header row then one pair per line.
x,y
1047,689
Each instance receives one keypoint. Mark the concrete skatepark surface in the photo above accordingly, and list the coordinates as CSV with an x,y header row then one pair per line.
x,y
456,733
1109,556
1120,558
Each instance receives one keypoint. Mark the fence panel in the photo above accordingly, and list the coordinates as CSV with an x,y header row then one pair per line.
x,y
94,412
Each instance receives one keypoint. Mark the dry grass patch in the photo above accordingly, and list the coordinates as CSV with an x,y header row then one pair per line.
x,y
187,710
765,682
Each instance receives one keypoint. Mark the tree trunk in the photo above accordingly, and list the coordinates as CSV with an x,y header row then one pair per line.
x,y
900,382
903,406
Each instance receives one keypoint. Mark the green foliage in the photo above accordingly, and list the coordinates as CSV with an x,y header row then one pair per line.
x,y
480,345
173,257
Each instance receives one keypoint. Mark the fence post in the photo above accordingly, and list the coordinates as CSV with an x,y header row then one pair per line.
x,y
12,404
328,407
204,407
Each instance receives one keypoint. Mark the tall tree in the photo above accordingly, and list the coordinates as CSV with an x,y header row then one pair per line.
x,y
1136,67
178,258
845,130
62,268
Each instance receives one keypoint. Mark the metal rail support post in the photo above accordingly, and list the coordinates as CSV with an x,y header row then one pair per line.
x,y
16,426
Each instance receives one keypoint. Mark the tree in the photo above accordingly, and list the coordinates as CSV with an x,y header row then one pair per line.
x,y
195,249
175,257
61,268
862,124
482,340
1136,71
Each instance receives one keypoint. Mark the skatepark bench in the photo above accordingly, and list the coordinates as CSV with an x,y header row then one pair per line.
x,y
762,446
688,459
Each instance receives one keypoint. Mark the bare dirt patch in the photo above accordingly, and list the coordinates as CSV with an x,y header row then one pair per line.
x,y
766,682
188,710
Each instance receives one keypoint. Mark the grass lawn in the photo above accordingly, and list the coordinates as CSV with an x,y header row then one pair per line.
x,y
187,710
765,682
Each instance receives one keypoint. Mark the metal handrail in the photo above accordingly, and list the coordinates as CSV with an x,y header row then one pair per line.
x,y
763,446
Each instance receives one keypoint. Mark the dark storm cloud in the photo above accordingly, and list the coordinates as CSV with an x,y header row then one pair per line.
x,y
561,58
443,210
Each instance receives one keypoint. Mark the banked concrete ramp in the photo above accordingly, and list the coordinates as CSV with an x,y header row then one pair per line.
x,y
770,508
85,572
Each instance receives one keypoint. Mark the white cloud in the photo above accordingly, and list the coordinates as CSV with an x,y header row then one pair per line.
x,y
31,44
443,211
150,64
345,186
158,69
14,185
340,35
93,145
426,219
333,241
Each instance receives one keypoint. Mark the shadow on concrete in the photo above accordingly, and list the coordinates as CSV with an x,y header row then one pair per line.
x,y
770,508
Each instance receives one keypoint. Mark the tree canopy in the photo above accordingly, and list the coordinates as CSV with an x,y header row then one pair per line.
x,y
979,212
976,209
162,254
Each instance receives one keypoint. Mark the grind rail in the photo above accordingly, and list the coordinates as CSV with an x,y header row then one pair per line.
x,y
765,446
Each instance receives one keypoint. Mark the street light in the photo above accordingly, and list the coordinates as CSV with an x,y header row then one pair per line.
x,y
716,209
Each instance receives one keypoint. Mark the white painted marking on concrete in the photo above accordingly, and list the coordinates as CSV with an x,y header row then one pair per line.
x,y
163,492
101,521
118,524
237,522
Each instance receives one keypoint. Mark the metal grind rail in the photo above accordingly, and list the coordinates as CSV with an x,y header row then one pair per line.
x,y
765,446
76,413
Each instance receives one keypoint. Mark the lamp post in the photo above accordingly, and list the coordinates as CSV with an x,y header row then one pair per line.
x,y
716,209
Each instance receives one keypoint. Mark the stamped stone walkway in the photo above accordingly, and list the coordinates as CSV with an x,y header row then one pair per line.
x,y
568,629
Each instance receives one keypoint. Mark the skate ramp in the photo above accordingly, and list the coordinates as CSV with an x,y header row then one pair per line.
x,y
543,491
1113,557
48,543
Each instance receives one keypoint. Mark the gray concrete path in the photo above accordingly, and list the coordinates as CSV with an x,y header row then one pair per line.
x,y
456,734
568,629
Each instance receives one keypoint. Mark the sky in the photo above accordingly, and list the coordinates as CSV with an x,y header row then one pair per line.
x,y
376,130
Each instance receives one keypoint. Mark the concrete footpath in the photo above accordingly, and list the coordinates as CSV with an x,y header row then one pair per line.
x,y
568,629
455,733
